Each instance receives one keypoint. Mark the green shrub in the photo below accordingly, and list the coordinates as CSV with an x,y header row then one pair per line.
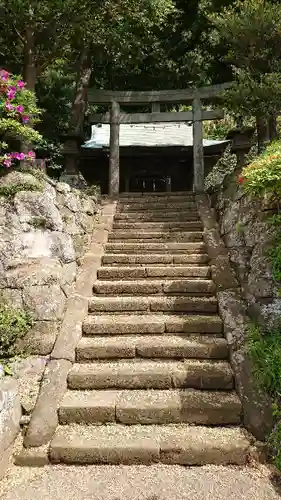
x,y
274,251
14,324
265,351
263,175
218,129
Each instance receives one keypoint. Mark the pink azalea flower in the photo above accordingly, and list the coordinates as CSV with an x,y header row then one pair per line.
x,y
4,75
30,155
20,156
20,108
11,93
25,118
20,84
7,162
9,106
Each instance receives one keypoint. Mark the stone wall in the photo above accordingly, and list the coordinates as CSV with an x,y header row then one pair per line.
x,y
45,228
43,234
246,236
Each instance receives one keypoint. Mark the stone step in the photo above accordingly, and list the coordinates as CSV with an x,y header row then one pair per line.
x,y
154,259
141,248
143,236
143,197
156,206
159,216
132,273
153,304
136,444
155,201
193,286
155,193
149,323
144,374
159,226
151,407
154,346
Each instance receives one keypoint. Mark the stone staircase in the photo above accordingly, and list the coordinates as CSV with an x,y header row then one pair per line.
x,y
152,382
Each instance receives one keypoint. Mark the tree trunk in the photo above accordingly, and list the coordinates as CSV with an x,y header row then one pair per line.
x,y
262,133
272,127
80,101
29,59
79,105
29,77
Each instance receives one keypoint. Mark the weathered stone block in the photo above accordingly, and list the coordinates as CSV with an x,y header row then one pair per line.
x,y
52,244
46,302
240,262
104,445
41,338
29,372
44,419
10,412
105,348
33,457
222,274
257,407
232,310
33,208
88,407
12,297
71,329
122,324
43,271
193,324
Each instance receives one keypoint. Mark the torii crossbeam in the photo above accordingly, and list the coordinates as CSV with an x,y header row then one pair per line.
x,y
155,98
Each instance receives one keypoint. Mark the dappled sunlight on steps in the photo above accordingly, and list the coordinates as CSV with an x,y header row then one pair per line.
x,y
152,381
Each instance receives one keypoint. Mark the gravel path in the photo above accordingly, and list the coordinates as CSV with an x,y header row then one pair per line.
x,y
157,482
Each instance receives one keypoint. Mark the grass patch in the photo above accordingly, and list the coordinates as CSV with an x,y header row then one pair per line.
x,y
92,190
39,222
14,324
39,174
10,190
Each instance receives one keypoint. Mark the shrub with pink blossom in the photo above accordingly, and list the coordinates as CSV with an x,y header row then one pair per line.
x,y
18,110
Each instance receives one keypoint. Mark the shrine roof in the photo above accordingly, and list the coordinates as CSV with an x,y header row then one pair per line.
x,y
170,134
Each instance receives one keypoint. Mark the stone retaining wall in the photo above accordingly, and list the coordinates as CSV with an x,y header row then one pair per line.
x,y
42,237
45,229
241,222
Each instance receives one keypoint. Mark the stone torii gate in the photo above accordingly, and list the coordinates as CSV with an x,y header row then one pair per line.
x,y
128,98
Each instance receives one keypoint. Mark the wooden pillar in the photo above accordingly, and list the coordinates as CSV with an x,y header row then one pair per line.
x,y
127,184
114,168
198,152
155,107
